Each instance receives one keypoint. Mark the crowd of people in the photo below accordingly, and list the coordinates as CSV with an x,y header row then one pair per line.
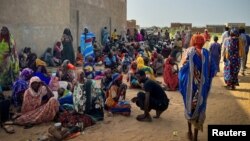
x,y
70,94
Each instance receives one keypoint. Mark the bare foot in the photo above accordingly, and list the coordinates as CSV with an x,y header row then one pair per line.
x,y
190,136
158,114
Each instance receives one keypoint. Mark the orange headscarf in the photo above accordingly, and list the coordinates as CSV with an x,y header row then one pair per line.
x,y
197,41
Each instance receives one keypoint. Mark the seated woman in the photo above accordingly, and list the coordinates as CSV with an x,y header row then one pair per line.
x,y
23,57
57,53
98,52
34,110
110,61
126,61
89,68
20,86
146,61
43,74
66,72
131,76
140,61
88,99
147,52
170,75
54,84
48,57
65,98
158,65
32,61
115,96
153,57
141,66
106,80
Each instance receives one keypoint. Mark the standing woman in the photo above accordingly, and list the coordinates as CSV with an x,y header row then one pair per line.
x,y
68,50
232,51
195,78
9,65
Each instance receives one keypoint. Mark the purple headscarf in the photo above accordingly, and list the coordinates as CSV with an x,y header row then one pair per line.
x,y
26,74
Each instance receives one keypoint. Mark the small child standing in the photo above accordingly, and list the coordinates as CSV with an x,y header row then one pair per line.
x,y
215,52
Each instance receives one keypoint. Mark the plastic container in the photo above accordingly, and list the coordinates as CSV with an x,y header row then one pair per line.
x,y
58,126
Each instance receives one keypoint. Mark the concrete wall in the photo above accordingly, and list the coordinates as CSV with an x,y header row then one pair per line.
x,y
131,25
198,29
247,29
39,23
96,14
216,28
181,25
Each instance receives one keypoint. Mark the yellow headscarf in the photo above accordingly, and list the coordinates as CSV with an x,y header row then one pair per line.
x,y
39,62
140,62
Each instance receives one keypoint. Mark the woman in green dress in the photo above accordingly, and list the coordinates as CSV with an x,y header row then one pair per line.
x,y
9,66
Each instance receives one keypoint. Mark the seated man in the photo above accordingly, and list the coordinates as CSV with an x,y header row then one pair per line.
x,y
154,98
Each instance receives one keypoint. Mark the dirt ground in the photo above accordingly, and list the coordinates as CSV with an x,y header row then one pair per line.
x,y
223,107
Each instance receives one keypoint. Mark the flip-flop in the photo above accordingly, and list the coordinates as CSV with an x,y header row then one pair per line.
x,y
8,129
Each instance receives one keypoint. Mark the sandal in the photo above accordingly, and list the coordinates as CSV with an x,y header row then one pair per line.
x,y
8,129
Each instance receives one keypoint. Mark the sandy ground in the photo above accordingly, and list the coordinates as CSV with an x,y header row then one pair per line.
x,y
223,107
